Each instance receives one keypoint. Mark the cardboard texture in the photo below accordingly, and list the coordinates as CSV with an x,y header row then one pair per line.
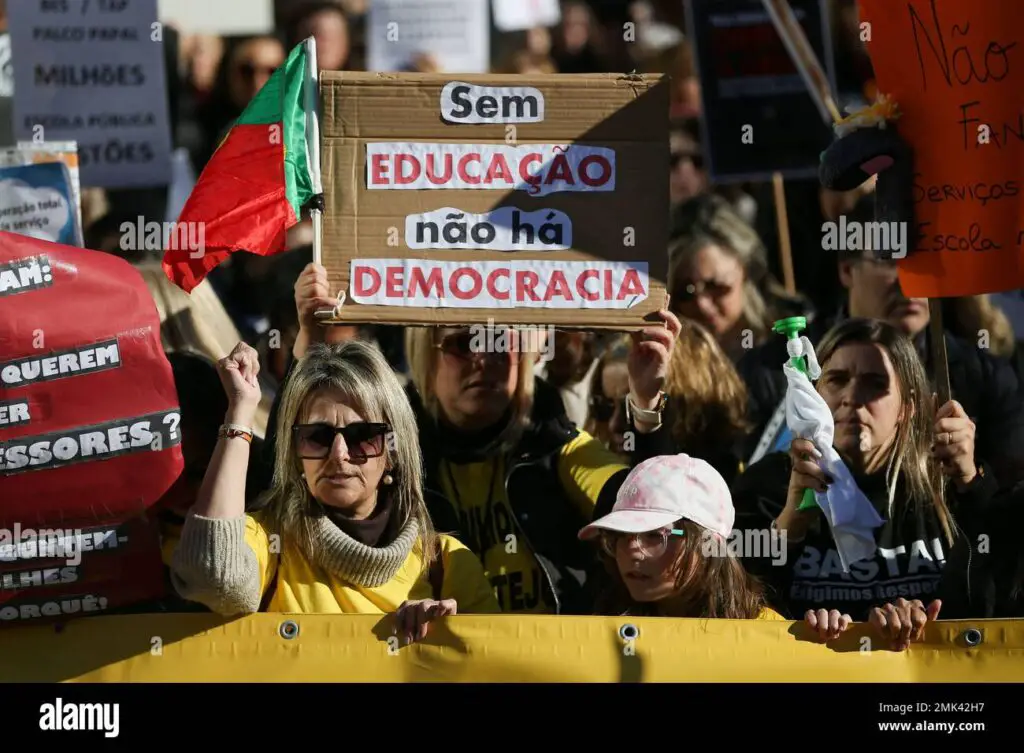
x,y
593,258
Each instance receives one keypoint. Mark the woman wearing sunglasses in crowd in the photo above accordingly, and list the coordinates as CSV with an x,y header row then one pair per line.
x,y
719,277
344,526
667,542
510,476
915,464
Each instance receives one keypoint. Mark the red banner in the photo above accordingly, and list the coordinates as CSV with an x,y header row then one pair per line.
x,y
89,432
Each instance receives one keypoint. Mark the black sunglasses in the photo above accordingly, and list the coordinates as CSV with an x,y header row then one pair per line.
x,y
364,440
460,345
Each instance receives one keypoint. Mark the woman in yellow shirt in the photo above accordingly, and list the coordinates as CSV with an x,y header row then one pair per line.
x,y
670,546
344,528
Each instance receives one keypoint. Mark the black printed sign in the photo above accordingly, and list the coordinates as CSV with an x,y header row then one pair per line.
x,y
22,275
758,116
155,432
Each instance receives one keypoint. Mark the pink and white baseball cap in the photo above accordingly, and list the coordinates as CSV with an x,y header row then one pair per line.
x,y
664,489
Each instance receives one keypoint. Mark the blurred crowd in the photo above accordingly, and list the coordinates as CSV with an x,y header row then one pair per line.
x,y
590,482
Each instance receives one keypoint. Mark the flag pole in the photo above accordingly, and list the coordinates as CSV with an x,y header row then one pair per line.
x,y
312,97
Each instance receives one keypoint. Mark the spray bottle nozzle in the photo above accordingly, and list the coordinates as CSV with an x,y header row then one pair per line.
x,y
791,328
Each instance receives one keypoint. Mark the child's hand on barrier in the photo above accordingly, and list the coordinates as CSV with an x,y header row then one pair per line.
x,y
903,622
828,624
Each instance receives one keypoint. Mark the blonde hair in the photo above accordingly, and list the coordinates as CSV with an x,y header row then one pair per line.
x,y
360,372
722,226
974,314
910,452
422,355
712,397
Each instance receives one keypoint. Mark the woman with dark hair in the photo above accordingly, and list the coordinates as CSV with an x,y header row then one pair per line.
x,y
914,463
247,64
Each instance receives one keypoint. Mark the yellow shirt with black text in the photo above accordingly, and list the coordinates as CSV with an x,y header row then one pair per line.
x,y
489,528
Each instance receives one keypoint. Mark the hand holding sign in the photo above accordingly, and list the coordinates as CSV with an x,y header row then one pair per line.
x,y
954,442
649,358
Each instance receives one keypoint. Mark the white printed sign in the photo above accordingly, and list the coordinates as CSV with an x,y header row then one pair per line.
x,y
502,229
92,71
36,200
517,15
537,169
6,69
224,17
456,33
466,103
499,284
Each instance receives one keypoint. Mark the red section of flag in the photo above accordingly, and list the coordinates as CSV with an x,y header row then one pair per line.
x,y
238,204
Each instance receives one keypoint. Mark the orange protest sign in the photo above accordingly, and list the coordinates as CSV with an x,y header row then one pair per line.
x,y
956,71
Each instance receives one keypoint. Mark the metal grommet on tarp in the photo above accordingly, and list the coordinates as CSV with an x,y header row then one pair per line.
x,y
629,632
972,637
289,629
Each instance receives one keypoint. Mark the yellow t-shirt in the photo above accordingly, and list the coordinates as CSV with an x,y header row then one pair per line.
x,y
489,528
771,614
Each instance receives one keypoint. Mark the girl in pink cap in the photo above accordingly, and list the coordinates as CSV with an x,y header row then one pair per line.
x,y
666,544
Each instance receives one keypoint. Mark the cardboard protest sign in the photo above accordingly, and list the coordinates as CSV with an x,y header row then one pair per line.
x,y
529,200
758,117
457,33
89,427
38,201
93,72
956,72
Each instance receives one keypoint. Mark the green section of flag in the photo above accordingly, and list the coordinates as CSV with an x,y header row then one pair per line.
x,y
282,102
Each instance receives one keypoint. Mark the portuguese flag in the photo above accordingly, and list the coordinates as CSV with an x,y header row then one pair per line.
x,y
258,181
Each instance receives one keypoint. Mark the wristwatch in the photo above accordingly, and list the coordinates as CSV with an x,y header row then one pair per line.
x,y
646,416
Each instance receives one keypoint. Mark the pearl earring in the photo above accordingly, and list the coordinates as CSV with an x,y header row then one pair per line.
x,y
388,480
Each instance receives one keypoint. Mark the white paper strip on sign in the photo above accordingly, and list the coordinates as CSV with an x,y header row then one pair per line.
x,y
466,103
502,229
538,169
499,284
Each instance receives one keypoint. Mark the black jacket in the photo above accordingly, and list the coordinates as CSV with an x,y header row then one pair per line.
x,y
984,576
911,560
985,385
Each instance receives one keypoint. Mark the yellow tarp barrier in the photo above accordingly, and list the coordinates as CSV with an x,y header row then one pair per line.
x,y
503,648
